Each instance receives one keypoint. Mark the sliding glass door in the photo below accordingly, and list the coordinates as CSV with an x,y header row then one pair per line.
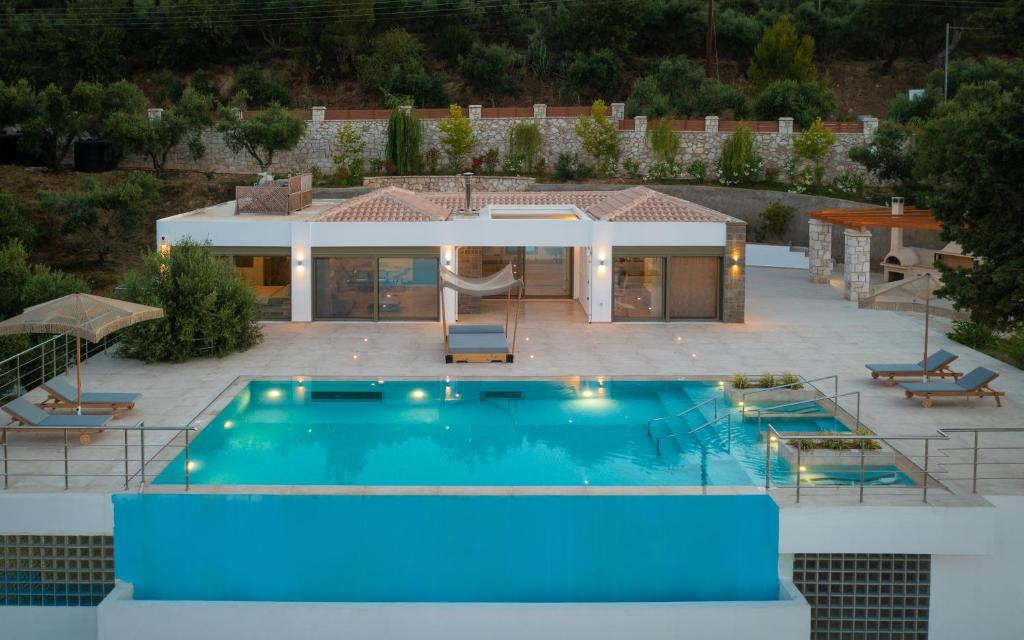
x,y
666,287
546,271
376,288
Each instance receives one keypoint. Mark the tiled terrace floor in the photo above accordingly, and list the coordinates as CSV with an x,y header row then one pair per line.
x,y
792,325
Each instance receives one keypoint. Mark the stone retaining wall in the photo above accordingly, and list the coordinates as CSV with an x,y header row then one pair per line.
x,y
317,147
450,183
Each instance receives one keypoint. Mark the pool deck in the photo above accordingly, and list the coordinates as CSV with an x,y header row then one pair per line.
x,y
792,325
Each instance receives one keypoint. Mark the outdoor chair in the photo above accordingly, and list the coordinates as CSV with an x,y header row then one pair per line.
x,y
973,384
937,367
62,396
29,417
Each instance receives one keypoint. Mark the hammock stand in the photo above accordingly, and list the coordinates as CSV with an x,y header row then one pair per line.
x,y
481,342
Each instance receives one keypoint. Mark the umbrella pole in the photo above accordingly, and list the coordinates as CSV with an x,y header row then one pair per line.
x,y
927,313
78,373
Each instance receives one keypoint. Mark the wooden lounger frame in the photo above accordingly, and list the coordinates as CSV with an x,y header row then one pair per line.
x,y
890,376
53,402
984,391
84,435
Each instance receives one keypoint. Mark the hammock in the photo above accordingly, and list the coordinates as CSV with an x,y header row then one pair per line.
x,y
481,342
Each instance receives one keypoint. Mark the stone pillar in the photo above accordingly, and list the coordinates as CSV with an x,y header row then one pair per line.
x,y
870,125
856,264
405,108
155,114
540,111
640,124
819,264
785,125
618,111
734,276
474,111
710,124
318,114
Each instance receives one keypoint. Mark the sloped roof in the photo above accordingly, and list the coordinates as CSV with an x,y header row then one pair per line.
x,y
637,204
390,204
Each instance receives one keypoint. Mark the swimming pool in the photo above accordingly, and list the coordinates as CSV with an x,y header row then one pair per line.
x,y
564,432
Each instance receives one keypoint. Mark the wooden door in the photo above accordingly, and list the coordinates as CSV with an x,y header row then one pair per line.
x,y
694,285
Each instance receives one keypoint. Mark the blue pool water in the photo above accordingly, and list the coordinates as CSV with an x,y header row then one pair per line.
x,y
565,432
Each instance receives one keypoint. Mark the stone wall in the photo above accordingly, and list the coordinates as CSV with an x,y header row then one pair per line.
x,y
317,147
450,183
734,286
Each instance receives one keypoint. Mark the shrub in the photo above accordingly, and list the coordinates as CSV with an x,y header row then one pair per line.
x,y
185,120
492,70
849,182
792,380
972,334
209,310
1015,347
889,154
600,138
525,142
632,168
568,167
261,90
837,444
348,161
431,159
402,149
663,141
453,43
595,74
263,135
741,382
457,137
15,222
665,170
395,68
814,143
698,170
739,163
775,219
679,87
490,161
802,101
782,55
766,381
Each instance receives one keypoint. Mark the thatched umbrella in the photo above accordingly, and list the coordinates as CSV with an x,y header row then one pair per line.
x,y
83,316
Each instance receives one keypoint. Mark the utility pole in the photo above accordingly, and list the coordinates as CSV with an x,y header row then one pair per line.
x,y
945,69
707,39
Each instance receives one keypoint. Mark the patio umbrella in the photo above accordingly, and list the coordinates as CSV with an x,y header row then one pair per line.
x,y
83,316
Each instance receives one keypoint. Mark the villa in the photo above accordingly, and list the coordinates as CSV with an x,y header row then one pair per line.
x,y
624,256
659,461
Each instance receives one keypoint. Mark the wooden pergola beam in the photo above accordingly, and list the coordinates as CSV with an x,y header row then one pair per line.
x,y
879,217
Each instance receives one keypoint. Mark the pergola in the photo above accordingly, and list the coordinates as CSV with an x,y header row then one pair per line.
x,y
857,238
879,217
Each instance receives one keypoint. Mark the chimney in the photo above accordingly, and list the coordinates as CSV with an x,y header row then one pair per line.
x,y
467,177
895,233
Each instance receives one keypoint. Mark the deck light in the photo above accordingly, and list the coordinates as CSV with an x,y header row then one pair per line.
x,y
531,356
447,378
679,338
693,355
366,339
773,439
355,356
803,469
380,380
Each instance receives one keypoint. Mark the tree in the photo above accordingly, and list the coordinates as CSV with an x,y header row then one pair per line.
x,y
889,154
802,101
492,70
599,138
971,157
209,310
594,75
348,159
782,55
457,137
395,68
263,135
156,137
663,141
402,149
100,212
524,143
813,145
331,44
260,90
52,119
739,162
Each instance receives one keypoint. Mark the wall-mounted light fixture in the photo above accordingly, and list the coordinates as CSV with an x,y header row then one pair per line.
x,y
447,258
298,262
600,262
164,247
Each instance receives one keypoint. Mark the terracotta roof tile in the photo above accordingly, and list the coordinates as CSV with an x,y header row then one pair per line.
x,y
637,204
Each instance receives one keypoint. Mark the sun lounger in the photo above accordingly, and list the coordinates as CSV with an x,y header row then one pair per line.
x,y
29,417
937,365
973,384
62,396
477,343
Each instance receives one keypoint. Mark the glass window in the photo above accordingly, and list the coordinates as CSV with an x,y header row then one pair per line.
x,y
344,288
407,288
271,279
639,288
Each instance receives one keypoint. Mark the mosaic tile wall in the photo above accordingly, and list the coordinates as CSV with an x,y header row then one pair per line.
x,y
865,596
67,571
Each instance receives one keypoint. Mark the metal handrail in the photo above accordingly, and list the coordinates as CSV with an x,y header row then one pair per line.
x,y
127,458
24,371
833,398
943,434
713,399
801,381
657,441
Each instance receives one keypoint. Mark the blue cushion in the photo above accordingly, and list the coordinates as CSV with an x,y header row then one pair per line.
x,y
476,328
478,343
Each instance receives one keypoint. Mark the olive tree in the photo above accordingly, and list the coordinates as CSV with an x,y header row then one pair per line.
x,y
263,135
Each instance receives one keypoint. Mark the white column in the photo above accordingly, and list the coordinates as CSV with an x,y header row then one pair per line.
x,y
640,124
710,124
450,260
856,264
819,251
318,114
785,125
155,114
302,272
618,111
601,273
540,111
870,126
474,111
